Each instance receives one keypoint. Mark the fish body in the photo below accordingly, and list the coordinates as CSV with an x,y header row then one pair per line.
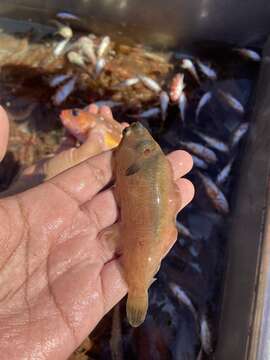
x,y
65,31
203,101
67,16
199,163
100,64
150,83
200,151
232,101
164,103
206,337
182,105
216,196
249,54
213,143
60,47
188,65
207,70
239,133
128,82
177,87
79,122
109,103
153,112
59,79
64,91
224,173
76,59
87,49
103,47
183,230
148,212
183,298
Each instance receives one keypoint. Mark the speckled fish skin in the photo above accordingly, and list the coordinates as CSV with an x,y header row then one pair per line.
x,y
148,213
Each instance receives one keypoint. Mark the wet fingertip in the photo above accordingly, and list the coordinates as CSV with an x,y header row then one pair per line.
x,y
181,162
187,191
93,109
106,111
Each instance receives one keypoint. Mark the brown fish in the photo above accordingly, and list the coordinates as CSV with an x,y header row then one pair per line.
x,y
149,201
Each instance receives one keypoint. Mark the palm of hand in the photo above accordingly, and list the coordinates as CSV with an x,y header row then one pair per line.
x,y
66,279
58,275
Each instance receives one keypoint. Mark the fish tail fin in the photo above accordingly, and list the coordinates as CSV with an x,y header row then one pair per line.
x,y
137,306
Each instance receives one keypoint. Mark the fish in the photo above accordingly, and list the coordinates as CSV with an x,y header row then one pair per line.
x,y
188,65
87,48
249,54
183,230
207,70
60,47
224,173
199,163
213,143
109,103
64,91
183,298
152,112
147,211
150,83
195,266
59,79
194,251
65,31
128,82
232,101
177,86
205,335
239,133
67,16
100,64
79,122
76,59
164,103
216,196
182,104
203,101
103,46
200,151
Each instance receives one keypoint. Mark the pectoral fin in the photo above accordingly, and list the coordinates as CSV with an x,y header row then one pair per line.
x,y
133,169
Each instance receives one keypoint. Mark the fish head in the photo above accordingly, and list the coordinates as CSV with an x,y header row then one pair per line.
x,y
78,122
137,149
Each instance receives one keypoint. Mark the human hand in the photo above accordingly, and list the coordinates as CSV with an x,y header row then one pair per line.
x,y
58,275
67,155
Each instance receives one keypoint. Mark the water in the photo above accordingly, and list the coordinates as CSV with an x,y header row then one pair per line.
x,y
196,265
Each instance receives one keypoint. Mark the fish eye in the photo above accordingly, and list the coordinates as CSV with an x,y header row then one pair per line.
x,y
75,112
147,151
126,130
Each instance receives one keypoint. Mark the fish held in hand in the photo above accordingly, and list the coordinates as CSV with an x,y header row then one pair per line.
x,y
148,213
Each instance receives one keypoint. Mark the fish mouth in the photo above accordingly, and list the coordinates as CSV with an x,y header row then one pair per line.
x,y
134,127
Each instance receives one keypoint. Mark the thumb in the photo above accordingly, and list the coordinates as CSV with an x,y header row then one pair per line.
x,y
4,132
